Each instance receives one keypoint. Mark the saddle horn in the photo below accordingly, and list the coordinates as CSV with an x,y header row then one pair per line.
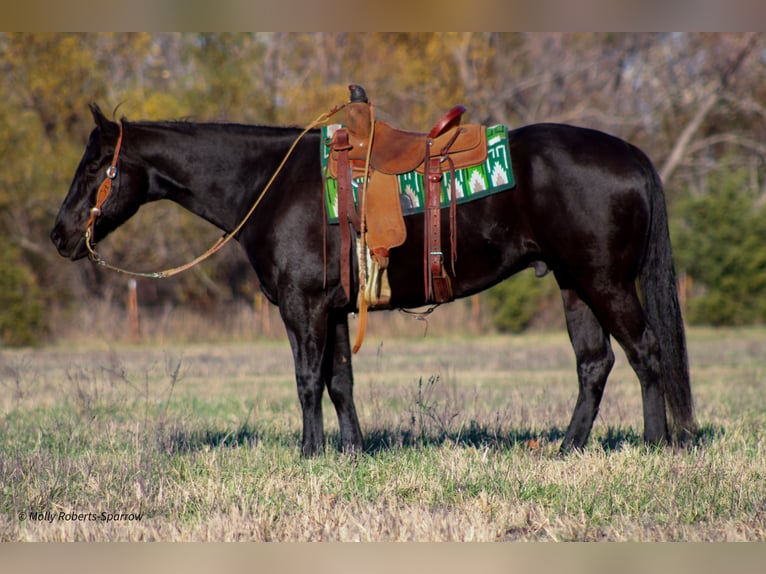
x,y
358,94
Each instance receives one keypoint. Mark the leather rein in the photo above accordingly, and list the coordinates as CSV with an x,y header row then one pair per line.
x,y
111,174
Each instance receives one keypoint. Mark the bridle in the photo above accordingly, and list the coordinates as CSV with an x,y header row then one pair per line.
x,y
111,173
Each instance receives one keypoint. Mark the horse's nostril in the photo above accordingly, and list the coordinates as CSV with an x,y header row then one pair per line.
x,y
56,235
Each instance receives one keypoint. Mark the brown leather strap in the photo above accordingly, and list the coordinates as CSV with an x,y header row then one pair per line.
x,y
346,208
433,257
438,287
106,186
444,152
452,214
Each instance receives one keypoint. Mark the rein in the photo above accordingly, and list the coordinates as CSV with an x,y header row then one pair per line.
x,y
106,187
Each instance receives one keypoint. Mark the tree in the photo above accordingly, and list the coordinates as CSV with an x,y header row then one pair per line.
x,y
516,302
721,242
21,310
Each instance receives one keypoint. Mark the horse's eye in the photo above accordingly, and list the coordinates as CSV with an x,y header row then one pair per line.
x,y
93,169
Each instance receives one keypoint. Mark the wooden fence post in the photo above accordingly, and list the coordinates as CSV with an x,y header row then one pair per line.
x,y
133,310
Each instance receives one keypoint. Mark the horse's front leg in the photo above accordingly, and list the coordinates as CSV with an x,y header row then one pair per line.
x,y
306,322
339,377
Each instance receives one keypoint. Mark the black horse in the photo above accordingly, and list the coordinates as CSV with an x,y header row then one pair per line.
x,y
587,206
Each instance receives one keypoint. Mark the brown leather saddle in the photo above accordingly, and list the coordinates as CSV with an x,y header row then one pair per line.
x,y
446,147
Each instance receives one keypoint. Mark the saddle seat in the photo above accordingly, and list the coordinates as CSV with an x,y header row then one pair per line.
x,y
396,151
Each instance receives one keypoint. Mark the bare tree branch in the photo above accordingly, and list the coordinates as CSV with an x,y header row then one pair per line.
x,y
683,141
729,138
713,96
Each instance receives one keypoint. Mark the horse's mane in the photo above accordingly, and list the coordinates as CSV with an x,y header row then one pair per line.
x,y
187,123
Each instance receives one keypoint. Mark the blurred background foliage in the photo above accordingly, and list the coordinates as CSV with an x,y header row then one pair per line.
x,y
696,103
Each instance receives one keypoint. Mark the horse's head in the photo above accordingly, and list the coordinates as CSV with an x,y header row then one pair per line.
x,y
126,196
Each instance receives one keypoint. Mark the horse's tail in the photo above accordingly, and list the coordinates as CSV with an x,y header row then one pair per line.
x,y
663,311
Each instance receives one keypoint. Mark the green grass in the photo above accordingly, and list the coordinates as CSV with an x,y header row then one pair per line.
x,y
203,443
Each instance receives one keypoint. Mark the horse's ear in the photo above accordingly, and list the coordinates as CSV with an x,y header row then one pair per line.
x,y
101,120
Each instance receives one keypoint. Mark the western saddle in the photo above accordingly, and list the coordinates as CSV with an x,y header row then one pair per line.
x,y
375,149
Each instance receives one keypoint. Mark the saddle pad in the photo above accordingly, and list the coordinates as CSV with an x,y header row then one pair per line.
x,y
491,176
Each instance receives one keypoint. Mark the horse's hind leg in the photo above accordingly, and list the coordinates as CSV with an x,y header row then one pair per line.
x,y
340,381
621,314
594,362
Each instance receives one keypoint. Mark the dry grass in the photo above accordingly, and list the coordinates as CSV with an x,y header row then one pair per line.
x,y
203,442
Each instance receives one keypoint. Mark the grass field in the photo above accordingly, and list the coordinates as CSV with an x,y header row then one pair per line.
x,y
201,442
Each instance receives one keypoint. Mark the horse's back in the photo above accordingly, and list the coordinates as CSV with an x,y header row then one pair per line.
x,y
563,146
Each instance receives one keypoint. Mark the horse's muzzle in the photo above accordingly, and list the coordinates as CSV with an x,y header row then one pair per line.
x,y
68,245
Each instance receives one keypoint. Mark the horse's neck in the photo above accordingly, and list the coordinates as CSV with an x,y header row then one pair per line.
x,y
201,167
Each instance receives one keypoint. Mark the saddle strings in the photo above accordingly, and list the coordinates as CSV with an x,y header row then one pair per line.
x,y
96,258
362,302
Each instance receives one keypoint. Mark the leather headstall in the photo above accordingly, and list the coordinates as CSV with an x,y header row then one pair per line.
x,y
106,185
